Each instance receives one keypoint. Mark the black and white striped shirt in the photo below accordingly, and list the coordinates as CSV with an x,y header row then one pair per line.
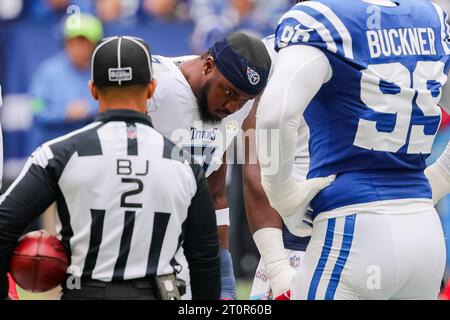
x,y
126,202
1,142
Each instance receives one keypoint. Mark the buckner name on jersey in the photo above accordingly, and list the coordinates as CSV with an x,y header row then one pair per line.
x,y
397,42
374,121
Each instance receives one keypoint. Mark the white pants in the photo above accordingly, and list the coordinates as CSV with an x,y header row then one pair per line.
x,y
261,289
373,256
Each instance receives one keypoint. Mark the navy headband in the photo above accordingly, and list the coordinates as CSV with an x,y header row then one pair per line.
x,y
238,69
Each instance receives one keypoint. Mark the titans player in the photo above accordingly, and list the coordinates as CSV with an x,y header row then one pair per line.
x,y
201,103
281,251
367,77
199,106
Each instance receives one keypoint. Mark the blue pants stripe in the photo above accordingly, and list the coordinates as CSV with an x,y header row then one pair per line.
x,y
347,240
323,259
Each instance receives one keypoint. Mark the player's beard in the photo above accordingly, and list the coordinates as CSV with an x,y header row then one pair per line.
x,y
203,107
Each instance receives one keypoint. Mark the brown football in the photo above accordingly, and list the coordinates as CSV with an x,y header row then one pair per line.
x,y
39,263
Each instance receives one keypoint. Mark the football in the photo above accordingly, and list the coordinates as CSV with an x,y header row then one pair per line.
x,y
39,263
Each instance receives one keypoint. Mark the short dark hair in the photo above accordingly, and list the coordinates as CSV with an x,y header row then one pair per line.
x,y
122,90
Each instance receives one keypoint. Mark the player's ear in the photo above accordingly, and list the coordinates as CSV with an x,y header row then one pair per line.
x,y
208,65
151,88
93,89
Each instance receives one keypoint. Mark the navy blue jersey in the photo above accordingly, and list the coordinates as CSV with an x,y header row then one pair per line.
x,y
373,124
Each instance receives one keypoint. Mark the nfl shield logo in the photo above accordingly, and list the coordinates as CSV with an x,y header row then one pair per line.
x,y
232,126
295,261
253,76
131,132
168,285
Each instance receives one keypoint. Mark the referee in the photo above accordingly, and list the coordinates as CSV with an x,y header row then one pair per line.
x,y
126,198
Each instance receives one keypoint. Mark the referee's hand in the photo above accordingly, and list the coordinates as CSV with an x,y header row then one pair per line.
x,y
35,234
12,291
12,287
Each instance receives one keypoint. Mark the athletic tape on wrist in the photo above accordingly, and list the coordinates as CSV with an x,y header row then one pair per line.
x,y
223,217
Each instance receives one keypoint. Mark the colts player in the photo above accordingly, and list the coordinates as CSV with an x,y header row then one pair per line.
x,y
281,251
367,77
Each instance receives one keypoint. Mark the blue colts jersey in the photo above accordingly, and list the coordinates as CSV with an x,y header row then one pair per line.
x,y
374,122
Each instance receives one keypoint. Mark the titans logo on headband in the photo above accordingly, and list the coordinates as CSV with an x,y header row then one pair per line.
x,y
253,76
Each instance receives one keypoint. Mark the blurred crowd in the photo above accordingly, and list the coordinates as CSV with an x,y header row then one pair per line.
x,y
43,72
45,66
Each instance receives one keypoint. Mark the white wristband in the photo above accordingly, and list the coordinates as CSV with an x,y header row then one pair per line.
x,y
223,217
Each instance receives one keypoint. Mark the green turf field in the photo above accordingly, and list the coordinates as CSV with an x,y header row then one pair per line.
x,y
243,291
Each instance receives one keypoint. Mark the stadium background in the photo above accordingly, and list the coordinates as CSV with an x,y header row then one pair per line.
x,y
31,33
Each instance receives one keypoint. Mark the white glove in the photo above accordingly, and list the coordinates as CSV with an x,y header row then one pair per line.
x,y
291,199
296,225
439,181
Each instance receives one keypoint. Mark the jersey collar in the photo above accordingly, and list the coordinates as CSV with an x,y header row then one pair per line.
x,y
124,115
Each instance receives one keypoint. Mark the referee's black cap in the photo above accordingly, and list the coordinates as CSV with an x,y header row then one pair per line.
x,y
121,61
